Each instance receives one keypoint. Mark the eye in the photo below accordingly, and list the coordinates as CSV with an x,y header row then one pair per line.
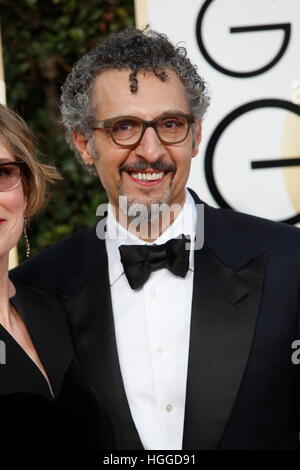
x,y
7,170
125,125
172,122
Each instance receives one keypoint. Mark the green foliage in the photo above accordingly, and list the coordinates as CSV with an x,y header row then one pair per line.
x,y
41,41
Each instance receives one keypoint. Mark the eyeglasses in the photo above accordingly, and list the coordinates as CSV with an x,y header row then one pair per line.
x,y
128,131
10,175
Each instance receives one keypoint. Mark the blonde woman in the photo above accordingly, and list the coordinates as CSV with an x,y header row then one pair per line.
x,y
45,401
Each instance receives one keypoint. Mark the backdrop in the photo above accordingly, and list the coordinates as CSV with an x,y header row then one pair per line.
x,y
248,52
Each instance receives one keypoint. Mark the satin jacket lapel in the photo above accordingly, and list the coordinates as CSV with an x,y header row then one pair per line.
x,y
91,319
228,282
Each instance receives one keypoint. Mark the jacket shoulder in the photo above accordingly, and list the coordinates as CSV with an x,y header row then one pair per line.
x,y
64,266
263,233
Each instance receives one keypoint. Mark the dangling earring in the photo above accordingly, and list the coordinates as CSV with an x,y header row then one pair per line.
x,y
26,240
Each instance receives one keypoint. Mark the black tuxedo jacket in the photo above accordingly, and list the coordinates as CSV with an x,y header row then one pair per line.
x,y
242,386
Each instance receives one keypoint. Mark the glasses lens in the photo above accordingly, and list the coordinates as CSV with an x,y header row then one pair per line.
x,y
9,176
126,131
173,128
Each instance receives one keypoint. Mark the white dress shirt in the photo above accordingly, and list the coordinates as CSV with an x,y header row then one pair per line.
x,y
152,327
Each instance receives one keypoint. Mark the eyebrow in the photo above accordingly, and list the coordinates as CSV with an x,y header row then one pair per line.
x,y
6,160
170,112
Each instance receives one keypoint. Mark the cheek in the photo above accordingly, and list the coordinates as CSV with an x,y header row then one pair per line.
x,y
108,166
183,162
13,200
15,204
12,206
17,201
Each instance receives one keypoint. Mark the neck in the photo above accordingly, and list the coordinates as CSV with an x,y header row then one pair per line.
x,y
6,291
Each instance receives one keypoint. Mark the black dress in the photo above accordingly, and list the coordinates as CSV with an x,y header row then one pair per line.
x,y
69,415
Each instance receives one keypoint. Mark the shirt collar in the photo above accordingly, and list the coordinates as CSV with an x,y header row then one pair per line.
x,y
117,235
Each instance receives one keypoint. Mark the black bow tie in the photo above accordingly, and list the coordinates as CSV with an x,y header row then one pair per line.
x,y
140,260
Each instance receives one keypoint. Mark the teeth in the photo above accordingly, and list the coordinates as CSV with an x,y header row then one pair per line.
x,y
147,176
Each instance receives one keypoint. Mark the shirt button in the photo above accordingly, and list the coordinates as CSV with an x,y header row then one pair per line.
x,y
153,294
160,351
169,408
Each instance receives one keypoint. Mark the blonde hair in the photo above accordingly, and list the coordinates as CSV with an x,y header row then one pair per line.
x,y
36,177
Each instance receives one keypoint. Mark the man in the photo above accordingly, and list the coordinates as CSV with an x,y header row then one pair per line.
x,y
197,356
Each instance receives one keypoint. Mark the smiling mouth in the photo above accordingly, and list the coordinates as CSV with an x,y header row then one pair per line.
x,y
146,176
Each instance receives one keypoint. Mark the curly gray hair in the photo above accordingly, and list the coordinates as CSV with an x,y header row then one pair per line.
x,y
134,50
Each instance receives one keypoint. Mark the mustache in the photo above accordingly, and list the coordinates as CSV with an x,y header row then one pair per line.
x,y
143,166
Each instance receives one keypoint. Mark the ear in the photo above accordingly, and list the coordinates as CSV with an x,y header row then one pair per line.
x,y
197,137
82,144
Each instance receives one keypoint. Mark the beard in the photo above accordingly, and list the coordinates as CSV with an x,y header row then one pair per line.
x,y
146,211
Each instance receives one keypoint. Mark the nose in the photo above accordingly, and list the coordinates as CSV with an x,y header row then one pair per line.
x,y
150,148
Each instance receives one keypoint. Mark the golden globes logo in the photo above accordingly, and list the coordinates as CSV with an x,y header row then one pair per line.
x,y
286,163
253,153
282,27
